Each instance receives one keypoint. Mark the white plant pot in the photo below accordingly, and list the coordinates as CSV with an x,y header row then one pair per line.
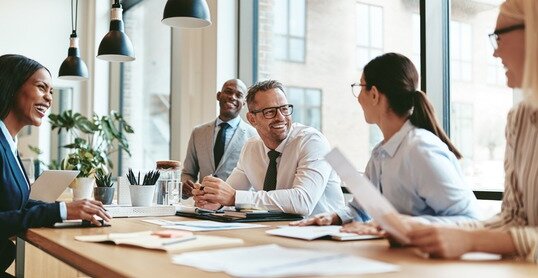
x,y
83,188
141,195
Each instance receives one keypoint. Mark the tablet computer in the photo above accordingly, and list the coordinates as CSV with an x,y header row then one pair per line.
x,y
50,185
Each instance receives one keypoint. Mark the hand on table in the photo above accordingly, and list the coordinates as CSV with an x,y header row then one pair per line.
x,y
87,210
322,219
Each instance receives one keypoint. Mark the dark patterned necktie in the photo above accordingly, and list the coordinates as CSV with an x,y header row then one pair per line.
x,y
218,149
269,182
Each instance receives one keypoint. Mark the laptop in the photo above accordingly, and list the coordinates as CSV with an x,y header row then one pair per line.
x,y
51,184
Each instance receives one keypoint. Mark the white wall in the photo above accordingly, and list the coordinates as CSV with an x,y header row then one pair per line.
x,y
201,61
40,30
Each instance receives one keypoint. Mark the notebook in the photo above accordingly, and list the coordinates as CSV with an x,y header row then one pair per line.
x,y
50,185
149,240
318,232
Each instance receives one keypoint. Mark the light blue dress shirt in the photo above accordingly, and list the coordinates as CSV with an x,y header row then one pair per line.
x,y
419,176
13,147
229,132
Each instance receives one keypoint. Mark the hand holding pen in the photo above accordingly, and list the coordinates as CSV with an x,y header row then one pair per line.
x,y
217,191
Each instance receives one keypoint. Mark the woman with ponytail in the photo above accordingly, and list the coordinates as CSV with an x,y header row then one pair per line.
x,y
415,166
514,231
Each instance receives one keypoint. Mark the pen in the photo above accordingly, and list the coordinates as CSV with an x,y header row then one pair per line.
x,y
170,242
202,187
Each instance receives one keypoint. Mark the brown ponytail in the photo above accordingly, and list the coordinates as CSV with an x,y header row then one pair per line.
x,y
423,116
396,78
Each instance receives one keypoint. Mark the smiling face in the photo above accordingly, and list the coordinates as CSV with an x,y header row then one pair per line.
x,y
231,99
272,131
32,100
511,50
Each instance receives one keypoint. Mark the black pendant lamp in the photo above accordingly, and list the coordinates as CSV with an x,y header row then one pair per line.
x,y
116,46
73,68
186,14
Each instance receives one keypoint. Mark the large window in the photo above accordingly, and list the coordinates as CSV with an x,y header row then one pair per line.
x,y
306,106
341,37
145,94
460,51
289,28
478,109
369,32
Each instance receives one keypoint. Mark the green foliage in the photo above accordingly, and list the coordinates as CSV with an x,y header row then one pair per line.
x,y
94,140
53,165
103,180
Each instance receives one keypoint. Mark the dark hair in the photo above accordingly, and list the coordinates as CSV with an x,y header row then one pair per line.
x,y
262,86
14,71
395,76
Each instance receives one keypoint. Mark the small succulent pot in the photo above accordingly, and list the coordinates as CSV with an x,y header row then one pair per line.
x,y
104,194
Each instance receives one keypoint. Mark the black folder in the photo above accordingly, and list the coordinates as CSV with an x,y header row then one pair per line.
x,y
265,216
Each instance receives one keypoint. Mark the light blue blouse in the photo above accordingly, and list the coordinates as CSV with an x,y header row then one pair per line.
x,y
419,176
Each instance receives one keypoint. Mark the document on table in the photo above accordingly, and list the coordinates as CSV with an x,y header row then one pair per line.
x,y
200,226
315,232
275,261
150,240
368,196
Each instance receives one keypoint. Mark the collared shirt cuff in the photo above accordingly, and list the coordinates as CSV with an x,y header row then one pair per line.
x,y
63,210
345,214
244,197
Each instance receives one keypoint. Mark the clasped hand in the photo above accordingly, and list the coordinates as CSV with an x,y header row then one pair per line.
x,y
213,193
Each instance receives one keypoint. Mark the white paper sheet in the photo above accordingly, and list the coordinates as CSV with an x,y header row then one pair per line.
x,y
202,225
481,256
368,196
276,261
314,232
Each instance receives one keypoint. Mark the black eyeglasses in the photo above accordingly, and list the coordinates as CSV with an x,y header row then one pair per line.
x,y
270,112
494,37
356,88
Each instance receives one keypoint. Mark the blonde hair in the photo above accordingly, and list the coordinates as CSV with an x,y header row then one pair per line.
x,y
527,11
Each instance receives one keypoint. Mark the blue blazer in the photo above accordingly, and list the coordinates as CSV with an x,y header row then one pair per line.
x,y
17,212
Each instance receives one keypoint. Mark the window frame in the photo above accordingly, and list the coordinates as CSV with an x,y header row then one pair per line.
x,y
288,36
434,60
304,91
369,47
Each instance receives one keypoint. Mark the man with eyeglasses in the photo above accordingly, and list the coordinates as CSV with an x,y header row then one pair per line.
x,y
214,147
283,169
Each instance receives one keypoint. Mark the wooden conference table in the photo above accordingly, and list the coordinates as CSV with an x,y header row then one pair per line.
x,y
103,260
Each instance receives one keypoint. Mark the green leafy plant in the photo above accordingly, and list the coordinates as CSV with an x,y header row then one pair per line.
x,y
53,165
94,139
103,180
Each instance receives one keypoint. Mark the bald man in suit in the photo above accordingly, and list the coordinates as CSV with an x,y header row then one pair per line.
x,y
214,147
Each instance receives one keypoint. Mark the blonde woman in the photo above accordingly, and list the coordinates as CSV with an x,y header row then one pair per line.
x,y
514,231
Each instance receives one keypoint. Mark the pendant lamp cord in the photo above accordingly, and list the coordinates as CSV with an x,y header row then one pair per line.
x,y
74,23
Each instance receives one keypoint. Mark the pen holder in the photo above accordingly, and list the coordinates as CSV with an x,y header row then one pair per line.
x,y
141,195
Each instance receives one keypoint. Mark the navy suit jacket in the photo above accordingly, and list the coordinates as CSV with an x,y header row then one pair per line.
x,y
17,212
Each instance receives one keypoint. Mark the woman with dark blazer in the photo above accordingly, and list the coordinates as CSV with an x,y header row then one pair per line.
x,y
25,97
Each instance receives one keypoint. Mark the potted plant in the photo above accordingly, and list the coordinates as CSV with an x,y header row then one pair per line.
x,y
142,191
104,191
94,140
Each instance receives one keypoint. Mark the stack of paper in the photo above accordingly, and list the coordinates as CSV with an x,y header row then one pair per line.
x,y
148,240
314,232
199,226
276,261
